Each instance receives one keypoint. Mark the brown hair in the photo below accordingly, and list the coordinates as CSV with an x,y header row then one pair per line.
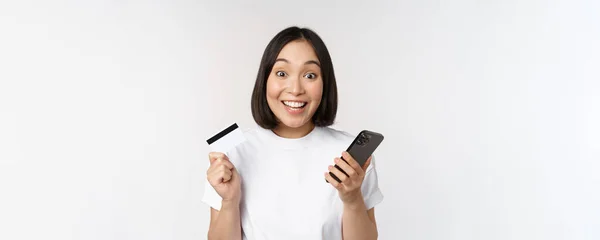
x,y
327,110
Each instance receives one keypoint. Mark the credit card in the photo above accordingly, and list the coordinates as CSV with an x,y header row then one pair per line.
x,y
227,139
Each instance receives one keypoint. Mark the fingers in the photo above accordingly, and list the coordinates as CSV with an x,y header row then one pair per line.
x,y
339,174
215,168
220,174
348,171
217,158
226,176
213,156
223,161
332,181
367,163
346,168
352,162
234,173
221,169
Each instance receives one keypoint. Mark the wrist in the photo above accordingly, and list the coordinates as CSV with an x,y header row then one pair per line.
x,y
227,203
356,204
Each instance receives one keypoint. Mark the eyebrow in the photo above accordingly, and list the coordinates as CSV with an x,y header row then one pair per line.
x,y
306,63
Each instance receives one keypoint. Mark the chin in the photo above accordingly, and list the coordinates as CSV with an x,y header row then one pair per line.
x,y
294,123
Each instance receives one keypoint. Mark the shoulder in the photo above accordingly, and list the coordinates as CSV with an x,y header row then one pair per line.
x,y
255,135
333,138
251,138
250,132
247,148
337,134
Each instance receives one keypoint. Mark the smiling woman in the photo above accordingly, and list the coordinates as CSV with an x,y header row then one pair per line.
x,y
296,64
294,89
271,186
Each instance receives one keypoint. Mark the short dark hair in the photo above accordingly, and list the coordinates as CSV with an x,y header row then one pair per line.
x,y
327,110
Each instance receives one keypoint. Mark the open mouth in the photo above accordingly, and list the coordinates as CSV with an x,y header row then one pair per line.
x,y
294,104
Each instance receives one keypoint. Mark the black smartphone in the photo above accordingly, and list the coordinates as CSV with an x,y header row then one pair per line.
x,y
361,149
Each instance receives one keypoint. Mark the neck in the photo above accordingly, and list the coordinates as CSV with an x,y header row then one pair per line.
x,y
288,132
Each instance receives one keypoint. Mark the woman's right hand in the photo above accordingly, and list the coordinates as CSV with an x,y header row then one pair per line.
x,y
223,177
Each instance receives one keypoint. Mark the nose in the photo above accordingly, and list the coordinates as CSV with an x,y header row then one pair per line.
x,y
295,86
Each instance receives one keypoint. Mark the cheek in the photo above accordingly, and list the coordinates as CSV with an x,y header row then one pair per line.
x,y
272,90
315,91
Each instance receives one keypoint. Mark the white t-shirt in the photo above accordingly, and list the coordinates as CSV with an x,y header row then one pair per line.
x,y
284,193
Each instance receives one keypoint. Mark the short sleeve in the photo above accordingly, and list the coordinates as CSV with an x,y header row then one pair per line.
x,y
370,188
210,196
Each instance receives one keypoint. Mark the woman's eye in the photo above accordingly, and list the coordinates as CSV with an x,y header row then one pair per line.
x,y
280,74
310,76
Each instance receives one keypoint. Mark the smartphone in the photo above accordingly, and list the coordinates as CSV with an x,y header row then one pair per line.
x,y
361,149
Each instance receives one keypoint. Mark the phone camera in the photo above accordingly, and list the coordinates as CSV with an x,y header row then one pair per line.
x,y
363,139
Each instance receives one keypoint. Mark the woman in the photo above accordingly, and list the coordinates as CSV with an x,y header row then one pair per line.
x,y
273,185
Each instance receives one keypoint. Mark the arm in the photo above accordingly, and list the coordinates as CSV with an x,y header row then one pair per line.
x,y
225,224
358,222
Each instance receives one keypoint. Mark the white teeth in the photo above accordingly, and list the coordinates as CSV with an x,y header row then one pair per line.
x,y
294,104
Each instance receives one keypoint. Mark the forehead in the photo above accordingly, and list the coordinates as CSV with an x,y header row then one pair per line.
x,y
298,51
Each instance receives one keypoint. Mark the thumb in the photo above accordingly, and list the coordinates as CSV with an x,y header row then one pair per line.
x,y
367,163
213,156
234,173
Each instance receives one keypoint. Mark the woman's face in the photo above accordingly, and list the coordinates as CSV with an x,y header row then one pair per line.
x,y
295,86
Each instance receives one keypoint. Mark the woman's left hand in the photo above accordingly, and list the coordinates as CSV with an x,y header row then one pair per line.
x,y
350,186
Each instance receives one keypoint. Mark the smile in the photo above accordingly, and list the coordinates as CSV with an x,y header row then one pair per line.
x,y
294,107
294,104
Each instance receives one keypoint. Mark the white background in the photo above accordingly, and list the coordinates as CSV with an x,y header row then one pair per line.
x,y
491,112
